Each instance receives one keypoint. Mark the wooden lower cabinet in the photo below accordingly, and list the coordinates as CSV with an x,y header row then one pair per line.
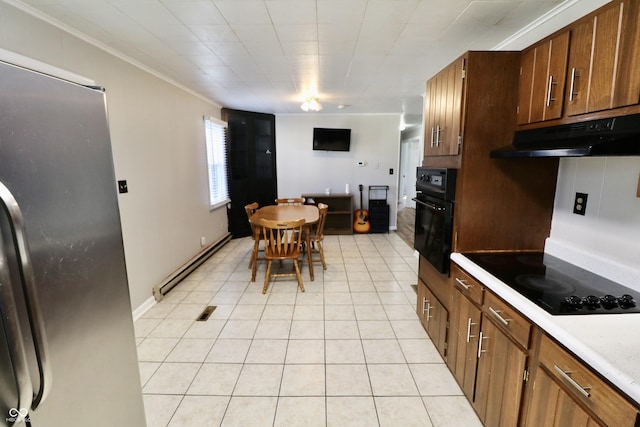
x,y
565,392
434,317
500,377
551,405
464,330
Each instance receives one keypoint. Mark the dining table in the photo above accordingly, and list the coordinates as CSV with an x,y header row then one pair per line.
x,y
310,214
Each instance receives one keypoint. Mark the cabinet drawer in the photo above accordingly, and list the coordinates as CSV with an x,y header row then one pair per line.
x,y
605,402
507,318
468,285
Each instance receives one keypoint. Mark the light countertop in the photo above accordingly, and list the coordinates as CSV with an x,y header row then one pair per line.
x,y
608,343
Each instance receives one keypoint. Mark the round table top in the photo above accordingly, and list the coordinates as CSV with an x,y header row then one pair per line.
x,y
286,213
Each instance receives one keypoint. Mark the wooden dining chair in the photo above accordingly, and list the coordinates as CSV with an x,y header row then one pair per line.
x,y
282,242
256,232
317,236
294,201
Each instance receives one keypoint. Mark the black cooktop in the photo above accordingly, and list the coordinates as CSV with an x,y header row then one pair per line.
x,y
556,285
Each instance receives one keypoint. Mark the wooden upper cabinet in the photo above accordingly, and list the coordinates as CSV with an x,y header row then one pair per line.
x,y
443,111
593,63
543,74
590,66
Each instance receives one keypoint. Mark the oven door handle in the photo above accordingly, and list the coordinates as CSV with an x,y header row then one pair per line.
x,y
429,205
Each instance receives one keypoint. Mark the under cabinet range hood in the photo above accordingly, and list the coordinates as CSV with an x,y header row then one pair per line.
x,y
616,136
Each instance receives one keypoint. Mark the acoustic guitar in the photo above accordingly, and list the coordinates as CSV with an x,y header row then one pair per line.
x,y
361,223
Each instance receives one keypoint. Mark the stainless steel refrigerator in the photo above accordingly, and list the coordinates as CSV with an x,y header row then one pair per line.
x,y
67,346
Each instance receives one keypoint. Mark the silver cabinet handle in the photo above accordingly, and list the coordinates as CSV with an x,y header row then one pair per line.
x,y
574,74
480,341
15,343
549,98
438,131
567,376
36,322
496,314
463,284
424,304
429,316
432,138
469,325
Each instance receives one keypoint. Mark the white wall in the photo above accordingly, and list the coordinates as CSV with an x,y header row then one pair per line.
x,y
158,146
610,228
375,140
605,240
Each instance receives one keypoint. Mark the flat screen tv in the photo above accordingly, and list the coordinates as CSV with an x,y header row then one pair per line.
x,y
325,139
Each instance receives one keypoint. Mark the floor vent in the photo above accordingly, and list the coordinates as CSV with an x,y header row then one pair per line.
x,y
206,313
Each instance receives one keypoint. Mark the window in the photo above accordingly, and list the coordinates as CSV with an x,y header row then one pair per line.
x,y
215,133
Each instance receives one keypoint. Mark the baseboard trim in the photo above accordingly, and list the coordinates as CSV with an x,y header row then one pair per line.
x,y
174,278
143,308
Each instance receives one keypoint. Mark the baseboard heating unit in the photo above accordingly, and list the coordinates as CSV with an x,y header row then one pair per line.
x,y
185,269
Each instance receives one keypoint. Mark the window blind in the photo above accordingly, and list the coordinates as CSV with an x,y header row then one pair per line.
x,y
216,140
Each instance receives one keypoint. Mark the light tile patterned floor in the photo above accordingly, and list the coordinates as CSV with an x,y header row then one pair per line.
x,y
349,351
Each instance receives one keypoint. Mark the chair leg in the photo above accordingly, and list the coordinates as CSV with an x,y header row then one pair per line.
x,y
253,271
266,277
321,251
298,275
254,254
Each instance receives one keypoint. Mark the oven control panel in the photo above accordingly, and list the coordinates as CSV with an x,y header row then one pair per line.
x,y
437,182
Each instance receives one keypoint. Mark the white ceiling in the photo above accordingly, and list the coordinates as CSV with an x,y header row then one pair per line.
x,y
267,55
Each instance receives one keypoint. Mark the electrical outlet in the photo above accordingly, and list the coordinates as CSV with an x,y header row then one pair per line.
x,y
580,203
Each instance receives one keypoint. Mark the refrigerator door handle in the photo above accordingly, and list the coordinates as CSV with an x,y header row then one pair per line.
x,y
16,221
15,344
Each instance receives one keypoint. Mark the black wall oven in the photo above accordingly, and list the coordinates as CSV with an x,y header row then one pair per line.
x,y
435,195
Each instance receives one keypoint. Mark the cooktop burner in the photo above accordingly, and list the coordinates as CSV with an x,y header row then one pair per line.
x,y
558,286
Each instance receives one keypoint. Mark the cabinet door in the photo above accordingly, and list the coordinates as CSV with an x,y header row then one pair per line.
x,y
449,131
432,115
434,317
551,406
443,108
603,60
579,68
463,342
592,62
549,75
499,381
525,91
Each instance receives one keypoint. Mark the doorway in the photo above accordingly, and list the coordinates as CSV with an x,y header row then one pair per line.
x,y
410,159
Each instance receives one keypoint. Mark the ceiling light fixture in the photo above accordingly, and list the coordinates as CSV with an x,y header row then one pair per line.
x,y
311,104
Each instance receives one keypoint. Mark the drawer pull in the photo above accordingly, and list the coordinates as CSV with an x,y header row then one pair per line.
x,y
463,284
480,350
566,376
469,324
497,315
429,316
424,304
